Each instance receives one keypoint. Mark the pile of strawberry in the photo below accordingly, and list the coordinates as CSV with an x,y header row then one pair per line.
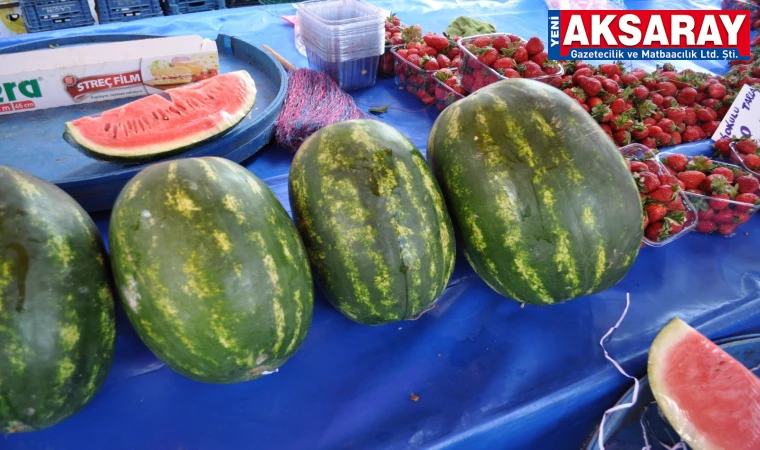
x,y
724,196
425,56
747,151
665,213
507,56
395,34
444,97
656,109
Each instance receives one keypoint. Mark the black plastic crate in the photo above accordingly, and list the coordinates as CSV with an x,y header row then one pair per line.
x,y
126,10
242,3
46,15
174,7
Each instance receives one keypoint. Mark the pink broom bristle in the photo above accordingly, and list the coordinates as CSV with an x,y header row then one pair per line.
x,y
314,100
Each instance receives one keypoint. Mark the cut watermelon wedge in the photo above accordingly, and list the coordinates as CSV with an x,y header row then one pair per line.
x,y
710,399
156,126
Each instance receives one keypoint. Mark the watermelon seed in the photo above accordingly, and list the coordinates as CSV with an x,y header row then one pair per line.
x,y
107,127
129,124
155,115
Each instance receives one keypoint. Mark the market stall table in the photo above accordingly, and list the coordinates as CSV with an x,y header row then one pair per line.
x,y
487,373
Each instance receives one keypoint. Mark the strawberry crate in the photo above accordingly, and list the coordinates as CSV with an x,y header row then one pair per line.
x,y
415,80
110,11
722,215
47,15
475,74
682,218
175,7
445,94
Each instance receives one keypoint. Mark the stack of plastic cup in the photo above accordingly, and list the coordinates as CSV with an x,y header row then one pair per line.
x,y
343,38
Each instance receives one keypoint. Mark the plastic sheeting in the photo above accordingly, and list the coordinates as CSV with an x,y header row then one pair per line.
x,y
488,373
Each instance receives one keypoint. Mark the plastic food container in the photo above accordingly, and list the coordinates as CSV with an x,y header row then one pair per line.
x,y
385,68
470,65
445,95
47,15
415,80
640,152
343,38
737,159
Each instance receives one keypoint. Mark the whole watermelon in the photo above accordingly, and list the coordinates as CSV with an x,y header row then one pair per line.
x,y
541,198
211,270
373,220
57,325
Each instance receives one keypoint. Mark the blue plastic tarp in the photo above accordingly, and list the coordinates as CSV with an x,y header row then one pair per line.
x,y
488,373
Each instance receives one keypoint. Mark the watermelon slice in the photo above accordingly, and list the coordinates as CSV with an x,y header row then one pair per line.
x,y
154,127
710,399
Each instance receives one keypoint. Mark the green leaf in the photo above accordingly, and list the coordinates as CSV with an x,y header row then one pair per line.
x,y
465,26
379,109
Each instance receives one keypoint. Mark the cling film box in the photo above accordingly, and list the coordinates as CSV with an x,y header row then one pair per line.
x,y
90,73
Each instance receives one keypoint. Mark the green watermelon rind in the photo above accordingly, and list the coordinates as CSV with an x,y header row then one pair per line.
x,y
75,137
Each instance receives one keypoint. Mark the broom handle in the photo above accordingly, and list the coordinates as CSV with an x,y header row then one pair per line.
x,y
282,60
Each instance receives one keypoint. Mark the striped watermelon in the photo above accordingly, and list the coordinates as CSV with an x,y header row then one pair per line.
x,y
373,220
57,325
540,196
211,270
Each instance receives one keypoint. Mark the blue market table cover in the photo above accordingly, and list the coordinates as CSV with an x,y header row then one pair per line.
x,y
488,373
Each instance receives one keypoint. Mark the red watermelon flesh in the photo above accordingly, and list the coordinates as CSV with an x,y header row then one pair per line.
x,y
155,126
710,399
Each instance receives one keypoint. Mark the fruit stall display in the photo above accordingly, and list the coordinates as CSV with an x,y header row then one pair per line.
x,y
549,182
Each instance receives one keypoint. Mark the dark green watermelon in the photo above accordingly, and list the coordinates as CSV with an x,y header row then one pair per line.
x,y
57,325
211,270
542,199
373,220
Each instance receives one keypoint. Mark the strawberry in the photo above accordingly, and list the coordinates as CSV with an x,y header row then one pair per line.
x,y
677,115
668,179
686,96
429,63
666,125
638,166
692,179
666,88
701,163
551,68
504,63
649,142
488,56
657,99
726,172
691,134
501,41
641,92
443,61
717,91
723,146
724,216
690,117
675,228
534,46
675,205
656,212
427,50
584,72
533,70
710,127
601,113
621,123
415,59
639,132
520,55
677,161
718,201
540,59
663,194
622,138
628,79
452,53
652,165
610,69
609,85
648,182
593,101
655,131
706,114
607,130
512,73
705,214
750,199
752,162
676,138
706,226
665,139
746,146
481,41
436,41
617,106
656,231
747,184
740,218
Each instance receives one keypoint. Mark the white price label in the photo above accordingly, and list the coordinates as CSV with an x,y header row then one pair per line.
x,y
743,118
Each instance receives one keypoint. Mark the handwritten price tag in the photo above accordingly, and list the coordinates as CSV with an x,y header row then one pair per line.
x,y
743,118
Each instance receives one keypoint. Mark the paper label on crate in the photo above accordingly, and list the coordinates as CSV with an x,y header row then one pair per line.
x,y
743,118
76,76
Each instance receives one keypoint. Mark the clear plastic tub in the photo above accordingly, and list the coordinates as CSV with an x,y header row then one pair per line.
x,y
415,80
470,65
445,95
641,152
343,38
